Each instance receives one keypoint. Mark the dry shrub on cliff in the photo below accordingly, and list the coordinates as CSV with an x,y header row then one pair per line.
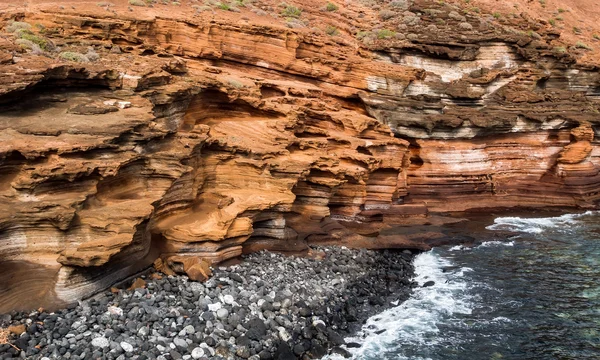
x,y
73,56
386,14
295,23
331,30
137,3
17,25
200,9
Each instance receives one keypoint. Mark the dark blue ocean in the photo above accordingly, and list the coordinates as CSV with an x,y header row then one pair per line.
x,y
534,296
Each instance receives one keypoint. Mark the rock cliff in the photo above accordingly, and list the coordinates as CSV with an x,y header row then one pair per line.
x,y
185,135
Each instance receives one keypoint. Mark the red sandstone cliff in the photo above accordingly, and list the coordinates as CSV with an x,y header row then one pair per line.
x,y
191,134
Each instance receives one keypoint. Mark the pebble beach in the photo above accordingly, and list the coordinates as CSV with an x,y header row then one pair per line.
x,y
269,306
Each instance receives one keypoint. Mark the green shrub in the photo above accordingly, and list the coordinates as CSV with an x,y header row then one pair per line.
x,y
385,33
497,15
40,41
552,22
331,6
223,6
576,30
582,45
73,56
331,30
291,11
362,34
137,3
561,10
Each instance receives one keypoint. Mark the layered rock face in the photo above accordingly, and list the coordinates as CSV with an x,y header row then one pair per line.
x,y
194,139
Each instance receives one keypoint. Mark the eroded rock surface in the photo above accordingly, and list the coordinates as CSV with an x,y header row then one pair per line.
x,y
197,136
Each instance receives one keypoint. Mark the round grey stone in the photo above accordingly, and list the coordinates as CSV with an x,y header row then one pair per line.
x,y
222,313
197,353
180,342
189,330
100,342
127,347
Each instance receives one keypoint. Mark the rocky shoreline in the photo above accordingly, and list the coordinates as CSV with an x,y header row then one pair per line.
x,y
267,307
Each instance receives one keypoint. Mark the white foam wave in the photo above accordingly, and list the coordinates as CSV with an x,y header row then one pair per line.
x,y
415,321
458,248
537,225
496,243
501,319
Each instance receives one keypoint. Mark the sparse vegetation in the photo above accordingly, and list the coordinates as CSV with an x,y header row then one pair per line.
x,y
362,34
534,35
223,6
399,4
560,50
331,7
543,3
385,34
552,22
331,30
497,15
92,55
294,23
291,11
561,10
73,56
16,26
137,3
596,36
582,45
200,9
576,30
386,14
40,41
234,83
559,18
24,44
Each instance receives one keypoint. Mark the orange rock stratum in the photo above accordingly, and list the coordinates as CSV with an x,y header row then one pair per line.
x,y
185,134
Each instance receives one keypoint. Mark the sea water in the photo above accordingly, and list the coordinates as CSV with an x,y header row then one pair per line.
x,y
534,296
